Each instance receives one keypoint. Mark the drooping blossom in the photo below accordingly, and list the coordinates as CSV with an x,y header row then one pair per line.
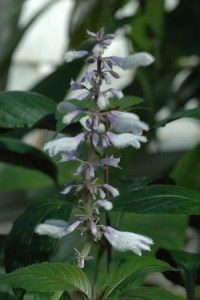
x,y
127,241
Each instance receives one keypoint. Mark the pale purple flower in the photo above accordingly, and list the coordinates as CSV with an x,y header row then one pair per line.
x,y
133,61
127,241
65,157
84,95
107,205
110,161
102,101
126,139
68,187
113,191
68,118
76,85
65,144
71,55
123,122
91,34
117,93
57,228
141,59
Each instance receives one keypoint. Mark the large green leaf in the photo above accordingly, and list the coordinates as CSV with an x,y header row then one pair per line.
x,y
189,113
24,109
188,164
18,153
163,199
150,293
49,277
23,246
133,268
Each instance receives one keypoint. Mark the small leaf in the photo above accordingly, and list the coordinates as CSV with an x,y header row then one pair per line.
x,y
49,277
24,109
162,199
133,268
29,247
150,294
18,153
189,113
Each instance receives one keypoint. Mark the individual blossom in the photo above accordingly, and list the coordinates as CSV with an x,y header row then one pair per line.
x,y
64,144
68,118
124,122
113,191
107,205
133,61
125,139
127,241
57,228
71,55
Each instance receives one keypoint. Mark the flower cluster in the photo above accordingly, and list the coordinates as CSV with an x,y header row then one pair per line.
x,y
101,128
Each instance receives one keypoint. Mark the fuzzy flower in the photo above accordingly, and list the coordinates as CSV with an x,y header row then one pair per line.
x,y
68,118
133,61
102,101
107,205
113,191
123,122
57,228
71,55
127,241
65,144
126,139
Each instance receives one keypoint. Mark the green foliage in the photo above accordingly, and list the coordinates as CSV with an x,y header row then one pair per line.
x,y
128,271
189,264
150,294
188,164
24,109
29,247
163,199
49,277
18,153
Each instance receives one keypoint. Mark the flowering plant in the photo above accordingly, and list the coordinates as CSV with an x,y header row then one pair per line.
x,y
101,127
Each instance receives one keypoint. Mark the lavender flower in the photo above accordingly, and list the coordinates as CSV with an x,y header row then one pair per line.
x,y
57,228
71,55
123,122
127,241
65,144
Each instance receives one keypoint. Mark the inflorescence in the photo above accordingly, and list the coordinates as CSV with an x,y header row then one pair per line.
x,y
101,128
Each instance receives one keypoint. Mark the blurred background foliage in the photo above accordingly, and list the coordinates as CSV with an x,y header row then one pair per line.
x,y
171,84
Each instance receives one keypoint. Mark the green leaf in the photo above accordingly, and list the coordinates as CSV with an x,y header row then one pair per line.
x,y
189,264
151,294
133,268
189,113
49,277
163,199
29,247
24,109
188,164
18,153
